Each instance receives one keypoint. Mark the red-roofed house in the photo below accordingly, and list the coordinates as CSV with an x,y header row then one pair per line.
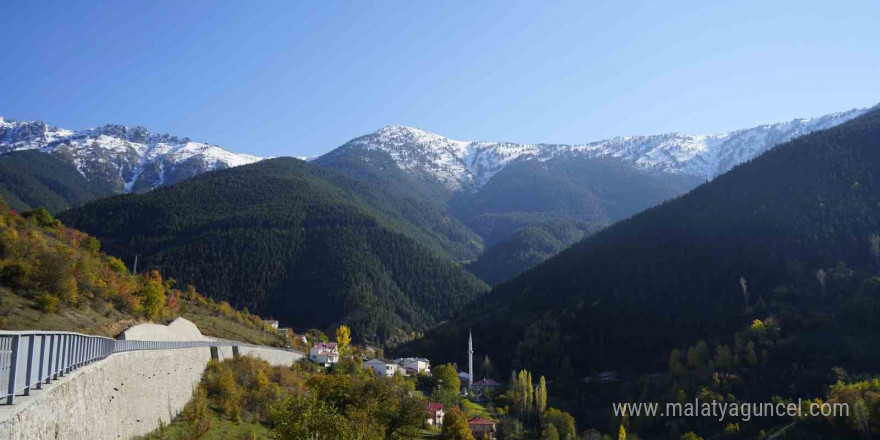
x,y
435,413
324,353
480,426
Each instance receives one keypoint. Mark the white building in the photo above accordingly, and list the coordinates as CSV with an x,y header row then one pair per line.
x,y
381,368
413,366
324,353
435,413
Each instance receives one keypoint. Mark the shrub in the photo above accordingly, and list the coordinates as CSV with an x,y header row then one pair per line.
x,y
14,274
47,302
223,389
196,415
117,265
92,245
43,218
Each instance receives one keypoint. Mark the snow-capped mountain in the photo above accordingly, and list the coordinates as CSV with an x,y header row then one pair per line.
x,y
128,158
465,165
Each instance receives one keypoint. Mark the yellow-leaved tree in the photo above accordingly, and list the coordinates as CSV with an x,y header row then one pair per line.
x,y
343,336
455,426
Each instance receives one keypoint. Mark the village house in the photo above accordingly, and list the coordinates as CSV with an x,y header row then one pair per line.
x,y
381,367
414,366
484,387
435,413
272,323
481,427
324,353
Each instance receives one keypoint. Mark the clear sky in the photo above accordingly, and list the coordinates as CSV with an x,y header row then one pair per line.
x,y
302,77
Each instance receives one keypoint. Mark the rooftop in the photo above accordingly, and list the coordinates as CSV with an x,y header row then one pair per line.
x,y
480,421
434,406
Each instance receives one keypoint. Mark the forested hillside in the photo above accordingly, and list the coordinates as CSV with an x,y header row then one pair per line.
x,y
791,234
31,179
422,204
525,213
53,277
527,247
293,240
532,209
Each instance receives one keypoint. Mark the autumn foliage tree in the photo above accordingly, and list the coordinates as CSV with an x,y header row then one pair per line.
x,y
343,336
455,426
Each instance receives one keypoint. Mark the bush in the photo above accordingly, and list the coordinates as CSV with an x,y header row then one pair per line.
x,y
14,274
48,303
43,218
117,265
92,245
196,415
224,390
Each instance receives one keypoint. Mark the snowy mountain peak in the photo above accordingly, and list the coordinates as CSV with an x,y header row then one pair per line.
x,y
127,158
466,165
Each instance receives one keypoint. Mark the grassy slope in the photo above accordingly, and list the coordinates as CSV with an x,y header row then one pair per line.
x,y
221,429
96,318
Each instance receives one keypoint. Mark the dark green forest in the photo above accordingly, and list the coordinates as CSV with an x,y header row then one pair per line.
x,y
596,191
790,238
527,212
527,247
289,240
422,204
31,179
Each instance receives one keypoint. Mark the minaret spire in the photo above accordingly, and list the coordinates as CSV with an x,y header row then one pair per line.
x,y
470,358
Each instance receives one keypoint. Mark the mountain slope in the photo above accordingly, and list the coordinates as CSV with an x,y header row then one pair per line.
x,y
696,266
500,189
127,159
527,247
595,191
30,179
290,239
417,202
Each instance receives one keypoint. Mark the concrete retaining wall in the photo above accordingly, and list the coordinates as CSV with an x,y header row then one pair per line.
x,y
123,396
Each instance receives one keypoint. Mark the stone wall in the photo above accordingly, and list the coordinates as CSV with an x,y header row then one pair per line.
x,y
121,397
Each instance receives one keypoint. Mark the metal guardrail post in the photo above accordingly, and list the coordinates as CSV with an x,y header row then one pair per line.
x,y
59,355
77,352
29,370
65,354
71,343
13,370
53,368
42,355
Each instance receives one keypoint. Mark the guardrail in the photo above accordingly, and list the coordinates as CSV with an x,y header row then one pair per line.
x,y
30,359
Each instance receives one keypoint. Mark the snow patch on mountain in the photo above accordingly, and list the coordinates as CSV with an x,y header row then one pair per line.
x,y
466,165
130,158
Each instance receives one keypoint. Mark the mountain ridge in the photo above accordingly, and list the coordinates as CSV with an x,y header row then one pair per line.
x,y
130,159
468,165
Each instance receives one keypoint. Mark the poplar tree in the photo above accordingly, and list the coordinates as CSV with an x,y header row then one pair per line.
x,y
541,397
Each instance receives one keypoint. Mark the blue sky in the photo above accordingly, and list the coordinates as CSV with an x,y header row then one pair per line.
x,y
300,78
